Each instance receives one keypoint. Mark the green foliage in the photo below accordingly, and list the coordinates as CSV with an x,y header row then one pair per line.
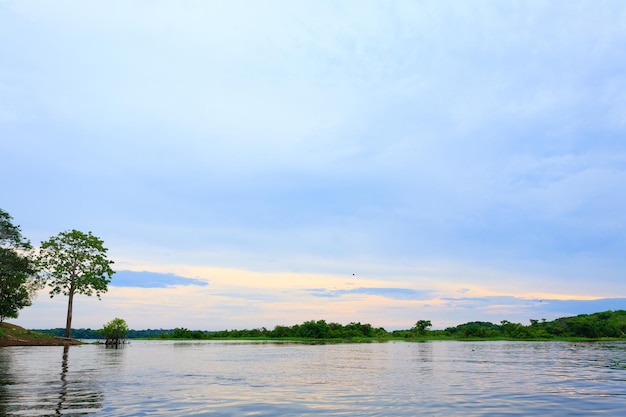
x,y
18,283
307,330
77,333
114,332
318,330
75,263
10,233
606,324
314,330
183,333
421,327
475,329
597,325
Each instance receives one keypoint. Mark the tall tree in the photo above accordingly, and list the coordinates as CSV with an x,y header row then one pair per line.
x,y
75,263
17,269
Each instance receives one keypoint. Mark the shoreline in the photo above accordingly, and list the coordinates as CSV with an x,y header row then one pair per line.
x,y
13,335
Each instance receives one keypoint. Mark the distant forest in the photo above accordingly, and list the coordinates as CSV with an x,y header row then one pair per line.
x,y
608,324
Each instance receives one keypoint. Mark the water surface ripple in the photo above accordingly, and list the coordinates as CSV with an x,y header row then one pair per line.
x,y
213,378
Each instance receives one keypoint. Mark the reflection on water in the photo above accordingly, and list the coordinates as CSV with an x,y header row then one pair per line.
x,y
63,392
77,396
5,380
31,386
162,378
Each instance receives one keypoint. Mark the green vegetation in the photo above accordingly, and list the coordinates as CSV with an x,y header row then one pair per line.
x,y
88,333
114,332
75,263
17,269
608,324
71,262
307,330
421,327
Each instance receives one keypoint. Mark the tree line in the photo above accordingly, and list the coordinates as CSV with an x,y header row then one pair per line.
x,y
610,324
607,324
319,329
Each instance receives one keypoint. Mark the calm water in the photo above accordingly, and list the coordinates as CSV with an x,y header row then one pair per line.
x,y
165,378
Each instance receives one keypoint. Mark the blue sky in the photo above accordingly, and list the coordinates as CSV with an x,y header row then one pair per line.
x,y
253,164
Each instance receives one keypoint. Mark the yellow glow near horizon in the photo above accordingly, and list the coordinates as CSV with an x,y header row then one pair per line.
x,y
246,280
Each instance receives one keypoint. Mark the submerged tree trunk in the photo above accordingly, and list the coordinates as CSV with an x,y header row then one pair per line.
x,y
114,341
68,323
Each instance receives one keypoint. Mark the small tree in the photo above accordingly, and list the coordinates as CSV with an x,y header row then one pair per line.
x,y
421,327
75,263
18,284
114,332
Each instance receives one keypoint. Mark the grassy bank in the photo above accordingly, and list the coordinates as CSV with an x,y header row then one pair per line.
x,y
12,335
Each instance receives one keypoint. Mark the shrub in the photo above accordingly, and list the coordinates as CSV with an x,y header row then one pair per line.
x,y
114,332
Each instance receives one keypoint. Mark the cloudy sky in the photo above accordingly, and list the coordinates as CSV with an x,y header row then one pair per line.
x,y
252,164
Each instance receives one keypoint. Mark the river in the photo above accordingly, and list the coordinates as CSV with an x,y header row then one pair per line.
x,y
216,378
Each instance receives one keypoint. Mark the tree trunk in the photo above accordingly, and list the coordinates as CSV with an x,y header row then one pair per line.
x,y
68,323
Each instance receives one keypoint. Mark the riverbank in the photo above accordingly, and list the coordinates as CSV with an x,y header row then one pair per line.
x,y
12,335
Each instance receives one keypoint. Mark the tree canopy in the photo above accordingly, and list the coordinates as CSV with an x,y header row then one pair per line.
x,y
72,263
114,332
17,269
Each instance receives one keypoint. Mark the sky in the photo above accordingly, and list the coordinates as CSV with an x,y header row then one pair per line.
x,y
253,164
